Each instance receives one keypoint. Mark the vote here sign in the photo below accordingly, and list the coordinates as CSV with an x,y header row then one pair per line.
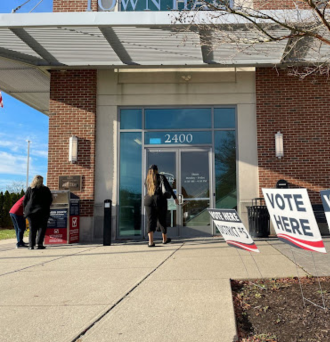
x,y
325,196
293,218
232,229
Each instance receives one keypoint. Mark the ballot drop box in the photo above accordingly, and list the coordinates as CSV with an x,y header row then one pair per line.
x,y
63,223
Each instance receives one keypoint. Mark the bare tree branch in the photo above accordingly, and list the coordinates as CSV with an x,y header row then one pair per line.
x,y
305,28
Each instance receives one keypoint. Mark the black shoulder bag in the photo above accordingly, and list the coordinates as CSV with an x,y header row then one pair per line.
x,y
165,187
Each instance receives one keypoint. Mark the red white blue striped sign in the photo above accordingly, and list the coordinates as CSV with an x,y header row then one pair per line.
x,y
232,229
293,218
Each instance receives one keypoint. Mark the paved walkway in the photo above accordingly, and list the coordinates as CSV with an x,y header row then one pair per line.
x,y
129,292
316,264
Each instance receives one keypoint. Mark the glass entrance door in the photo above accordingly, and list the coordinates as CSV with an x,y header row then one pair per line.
x,y
189,173
167,162
194,194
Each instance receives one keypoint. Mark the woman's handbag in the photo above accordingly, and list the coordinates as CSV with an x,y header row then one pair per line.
x,y
165,187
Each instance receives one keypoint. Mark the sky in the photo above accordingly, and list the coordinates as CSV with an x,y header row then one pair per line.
x,y
19,123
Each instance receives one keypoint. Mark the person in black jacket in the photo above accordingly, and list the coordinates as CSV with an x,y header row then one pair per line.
x,y
156,204
37,201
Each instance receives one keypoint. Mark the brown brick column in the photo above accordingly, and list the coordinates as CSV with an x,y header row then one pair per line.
x,y
73,5
73,112
301,111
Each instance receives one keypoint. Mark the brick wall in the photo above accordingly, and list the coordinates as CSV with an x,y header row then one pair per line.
x,y
73,5
73,112
278,4
301,111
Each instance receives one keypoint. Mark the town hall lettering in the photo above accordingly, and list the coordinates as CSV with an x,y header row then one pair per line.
x,y
157,3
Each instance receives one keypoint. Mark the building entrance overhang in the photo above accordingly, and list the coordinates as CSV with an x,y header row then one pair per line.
x,y
34,43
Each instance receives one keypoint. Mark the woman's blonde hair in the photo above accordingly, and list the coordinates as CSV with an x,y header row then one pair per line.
x,y
151,181
37,182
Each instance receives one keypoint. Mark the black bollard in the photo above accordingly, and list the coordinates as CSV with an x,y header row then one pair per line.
x,y
107,223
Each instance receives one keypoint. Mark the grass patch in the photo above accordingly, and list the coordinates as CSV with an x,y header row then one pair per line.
x,y
6,233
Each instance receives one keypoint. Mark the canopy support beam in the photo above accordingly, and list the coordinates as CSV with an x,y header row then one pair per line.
x,y
21,57
297,49
205,36
117,46
27,39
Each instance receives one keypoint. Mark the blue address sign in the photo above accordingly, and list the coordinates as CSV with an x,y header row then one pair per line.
x,y
177,138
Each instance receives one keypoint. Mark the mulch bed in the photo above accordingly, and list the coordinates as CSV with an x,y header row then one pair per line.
x,y
275,312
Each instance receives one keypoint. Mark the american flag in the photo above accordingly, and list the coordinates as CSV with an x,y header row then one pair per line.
x,y
1,102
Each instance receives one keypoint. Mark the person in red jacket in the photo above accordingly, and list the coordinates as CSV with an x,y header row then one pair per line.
x,y
16,215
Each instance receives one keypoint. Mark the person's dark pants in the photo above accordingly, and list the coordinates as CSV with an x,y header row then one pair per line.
x,y
20,226
38,224
156,210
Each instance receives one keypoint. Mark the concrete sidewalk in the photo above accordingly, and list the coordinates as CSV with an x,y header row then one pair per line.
x,y
129,292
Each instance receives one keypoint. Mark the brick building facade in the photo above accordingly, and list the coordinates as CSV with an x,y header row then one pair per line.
x,y
73,112
133,95
283,103
299,109
73,5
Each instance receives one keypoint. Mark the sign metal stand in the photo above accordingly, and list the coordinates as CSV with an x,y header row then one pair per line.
x,y
301,287
235,234
294,222
247,272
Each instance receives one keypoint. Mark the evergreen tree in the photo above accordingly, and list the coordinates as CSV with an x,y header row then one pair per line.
x,y
14,198
6,207
7,200
2,200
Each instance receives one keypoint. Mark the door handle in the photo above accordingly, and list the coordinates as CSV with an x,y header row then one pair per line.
x,y
180,199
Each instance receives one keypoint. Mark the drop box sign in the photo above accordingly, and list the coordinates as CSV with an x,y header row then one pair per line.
x,y
293,218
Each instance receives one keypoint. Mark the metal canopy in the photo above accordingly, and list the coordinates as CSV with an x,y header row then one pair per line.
x,y
117,39
32,43
28,84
